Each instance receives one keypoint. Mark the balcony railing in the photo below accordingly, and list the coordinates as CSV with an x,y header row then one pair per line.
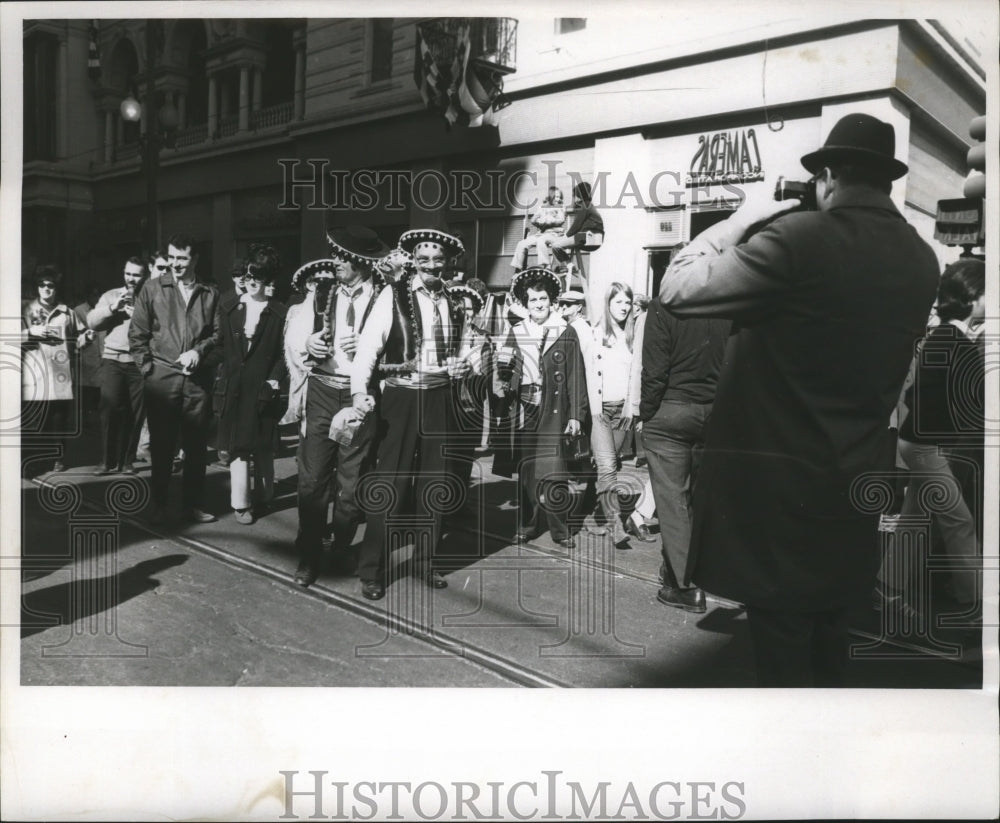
x,y
228,126
276,115
126,151
191,135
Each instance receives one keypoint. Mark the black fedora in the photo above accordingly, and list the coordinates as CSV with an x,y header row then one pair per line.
x,y
860,138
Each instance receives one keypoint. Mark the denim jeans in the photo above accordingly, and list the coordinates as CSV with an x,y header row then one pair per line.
x,y
606,440
674,438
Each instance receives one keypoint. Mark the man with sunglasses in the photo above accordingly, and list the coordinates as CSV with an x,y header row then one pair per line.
x,y
171,336
828,305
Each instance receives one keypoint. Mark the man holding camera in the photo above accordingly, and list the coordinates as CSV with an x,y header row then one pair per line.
x,y
827,304
123,408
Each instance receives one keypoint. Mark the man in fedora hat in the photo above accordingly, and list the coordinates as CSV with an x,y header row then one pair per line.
x,y
417,329
323,336
812,371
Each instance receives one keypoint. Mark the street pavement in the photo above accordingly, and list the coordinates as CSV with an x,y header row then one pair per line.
x,y
109,600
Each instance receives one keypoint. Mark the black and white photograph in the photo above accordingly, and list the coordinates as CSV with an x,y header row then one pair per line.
x,y
499,417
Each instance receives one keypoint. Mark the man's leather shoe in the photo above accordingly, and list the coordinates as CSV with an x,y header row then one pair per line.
x,y
198,516
566,542
103,471
432,579
372,590
640,531
691,600
524,535
128,468
306,574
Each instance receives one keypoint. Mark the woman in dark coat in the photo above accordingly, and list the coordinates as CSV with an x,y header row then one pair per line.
x,y
249,335
541,370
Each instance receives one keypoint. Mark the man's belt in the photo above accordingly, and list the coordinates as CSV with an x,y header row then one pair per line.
x,y
332,381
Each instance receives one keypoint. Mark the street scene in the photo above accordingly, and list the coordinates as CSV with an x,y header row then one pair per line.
x,y
366,373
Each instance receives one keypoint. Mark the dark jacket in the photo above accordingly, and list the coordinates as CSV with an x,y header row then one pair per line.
x,y
162,327
247,406
828,306
564,398
947,400
681,359
585,218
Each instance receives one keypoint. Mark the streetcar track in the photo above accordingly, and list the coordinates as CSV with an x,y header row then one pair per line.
x,y
504,667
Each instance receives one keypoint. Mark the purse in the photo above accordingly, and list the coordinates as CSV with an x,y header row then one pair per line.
x,y
575,450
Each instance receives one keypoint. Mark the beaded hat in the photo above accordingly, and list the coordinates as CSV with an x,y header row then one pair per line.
x,y
356,244
548,277
409,241
462,290
324,268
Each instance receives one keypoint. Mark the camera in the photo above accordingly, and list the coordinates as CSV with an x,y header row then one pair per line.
x,y
796,190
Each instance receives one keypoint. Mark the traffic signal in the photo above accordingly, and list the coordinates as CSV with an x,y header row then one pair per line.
x,y
975,184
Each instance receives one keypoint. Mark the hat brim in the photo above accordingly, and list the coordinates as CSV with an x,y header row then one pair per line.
x,y
371,256
409,240
307,270
815,160
466,291
519,290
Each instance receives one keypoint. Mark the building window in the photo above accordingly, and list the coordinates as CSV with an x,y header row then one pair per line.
x,y
40,60
566,25
380,49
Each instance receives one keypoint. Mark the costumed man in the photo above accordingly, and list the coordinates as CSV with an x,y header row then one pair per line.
x,y
323,335
473,391
416,328
541,370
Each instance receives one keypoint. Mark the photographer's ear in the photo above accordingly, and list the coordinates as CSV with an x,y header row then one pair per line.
x,y
826,184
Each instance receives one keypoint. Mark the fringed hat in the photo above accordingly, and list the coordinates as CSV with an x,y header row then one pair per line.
x,y
356,244
324,268
462,290
410,241
549,279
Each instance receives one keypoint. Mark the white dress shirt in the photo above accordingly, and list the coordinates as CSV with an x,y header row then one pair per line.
x,y
373,338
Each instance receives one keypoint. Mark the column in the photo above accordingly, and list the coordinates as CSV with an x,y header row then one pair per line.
x,y
119,131
300,82
258,82
244,98
62,96
109,136
213,115
181,110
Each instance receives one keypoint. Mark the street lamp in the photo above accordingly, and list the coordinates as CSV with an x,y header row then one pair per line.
x,y
161,126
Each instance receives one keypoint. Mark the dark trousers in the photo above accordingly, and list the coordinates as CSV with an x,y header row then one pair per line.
x,y
546,497
415,429
470,416
123,410
673,439
799,649
176,405
323,462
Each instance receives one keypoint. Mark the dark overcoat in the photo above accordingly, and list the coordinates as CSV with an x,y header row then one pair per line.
x,y
828,307
247,407
564,398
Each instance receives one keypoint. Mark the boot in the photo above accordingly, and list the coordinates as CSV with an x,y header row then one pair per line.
x,y
613,514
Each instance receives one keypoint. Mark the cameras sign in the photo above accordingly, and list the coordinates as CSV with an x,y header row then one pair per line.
x,y
726,157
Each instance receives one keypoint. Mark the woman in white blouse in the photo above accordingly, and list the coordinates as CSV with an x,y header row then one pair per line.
x,y
609,373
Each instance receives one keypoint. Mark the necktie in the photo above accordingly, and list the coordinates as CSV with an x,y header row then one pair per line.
x,y
350,313
439,347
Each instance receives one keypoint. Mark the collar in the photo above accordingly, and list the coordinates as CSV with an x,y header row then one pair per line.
x,y
362,288
169,280
417,284
863,197
964,327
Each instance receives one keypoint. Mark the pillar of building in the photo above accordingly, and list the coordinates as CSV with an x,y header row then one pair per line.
x,y
213,114
244,98
109,136
300,81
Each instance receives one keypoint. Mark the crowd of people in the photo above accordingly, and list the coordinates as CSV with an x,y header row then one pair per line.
x,y
759,386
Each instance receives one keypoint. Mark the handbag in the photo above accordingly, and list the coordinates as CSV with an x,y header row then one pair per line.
x,y
575,450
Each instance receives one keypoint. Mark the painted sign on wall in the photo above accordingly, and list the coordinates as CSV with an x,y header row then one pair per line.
x,y
726,157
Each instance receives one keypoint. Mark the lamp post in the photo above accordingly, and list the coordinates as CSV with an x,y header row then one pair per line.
x,y
161,123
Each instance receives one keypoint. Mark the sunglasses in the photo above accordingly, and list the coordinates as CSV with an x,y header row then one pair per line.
x,y
46,285
254,273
